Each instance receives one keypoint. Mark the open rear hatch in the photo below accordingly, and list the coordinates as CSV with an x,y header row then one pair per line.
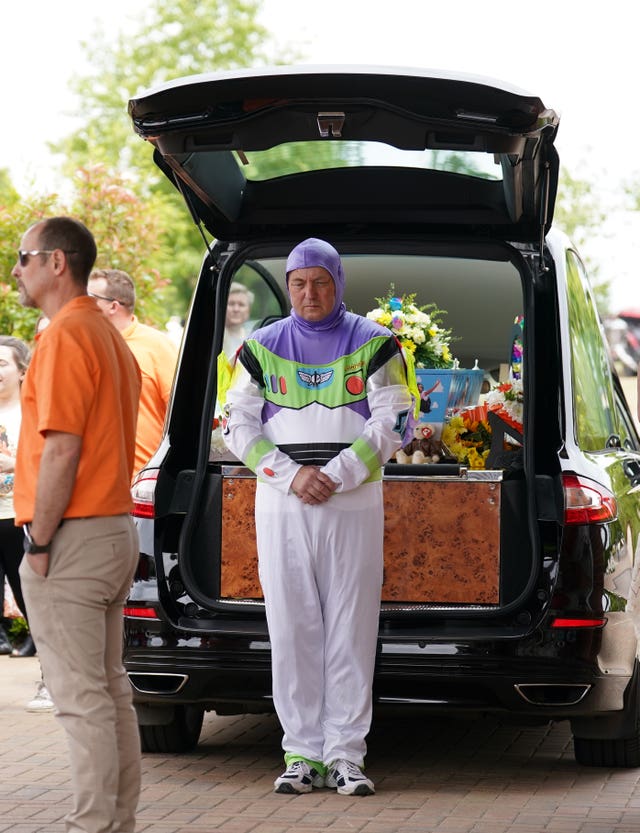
x,y
291,151
447,168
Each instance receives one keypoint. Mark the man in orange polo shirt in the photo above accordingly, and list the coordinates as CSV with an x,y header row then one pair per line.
x,y
115,295
72,480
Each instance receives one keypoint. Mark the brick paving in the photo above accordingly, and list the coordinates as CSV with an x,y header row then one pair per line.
x,y
436,775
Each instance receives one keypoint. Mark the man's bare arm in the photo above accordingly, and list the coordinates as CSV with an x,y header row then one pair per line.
x,y
56,478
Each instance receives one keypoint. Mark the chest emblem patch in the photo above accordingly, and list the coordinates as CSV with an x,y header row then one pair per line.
x,y
313,378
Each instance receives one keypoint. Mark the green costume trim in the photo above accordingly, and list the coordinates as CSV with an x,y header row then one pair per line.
x,y
257,452
291,384
368,456
291,758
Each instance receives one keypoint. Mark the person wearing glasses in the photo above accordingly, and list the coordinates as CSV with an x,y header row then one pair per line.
x,y
72,498
156,354
315,408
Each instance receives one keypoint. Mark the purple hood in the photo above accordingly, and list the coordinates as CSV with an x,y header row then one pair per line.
x,y
318,342
315,252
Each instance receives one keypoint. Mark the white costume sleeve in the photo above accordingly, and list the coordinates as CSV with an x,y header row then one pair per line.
x,y
244,436
388,397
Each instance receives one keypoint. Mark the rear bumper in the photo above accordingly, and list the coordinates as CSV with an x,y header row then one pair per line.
x,y
238,680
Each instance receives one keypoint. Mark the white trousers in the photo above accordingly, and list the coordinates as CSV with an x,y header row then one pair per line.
x,y
321,574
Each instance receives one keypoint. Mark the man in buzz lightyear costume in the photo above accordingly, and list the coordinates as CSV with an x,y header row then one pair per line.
x,y
315,409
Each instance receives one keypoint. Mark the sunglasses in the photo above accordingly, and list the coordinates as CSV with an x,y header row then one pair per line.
x,y
23,257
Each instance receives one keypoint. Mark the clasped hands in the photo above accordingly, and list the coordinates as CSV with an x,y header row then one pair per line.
x,y
312,485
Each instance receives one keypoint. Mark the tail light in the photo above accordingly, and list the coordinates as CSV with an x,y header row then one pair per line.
x,y
564,622
143,493
587,502
141,612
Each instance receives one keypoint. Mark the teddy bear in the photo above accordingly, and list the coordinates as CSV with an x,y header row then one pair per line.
x,y
422,448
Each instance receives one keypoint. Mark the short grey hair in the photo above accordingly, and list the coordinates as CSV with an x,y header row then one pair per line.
x,y
237,288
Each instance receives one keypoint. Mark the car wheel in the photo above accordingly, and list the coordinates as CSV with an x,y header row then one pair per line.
x,y
181,734
619,744
621,753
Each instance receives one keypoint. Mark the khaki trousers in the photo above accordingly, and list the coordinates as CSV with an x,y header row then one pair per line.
x,y
75,616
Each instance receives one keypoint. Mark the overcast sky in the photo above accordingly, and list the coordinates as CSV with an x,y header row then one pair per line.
x,y
580,58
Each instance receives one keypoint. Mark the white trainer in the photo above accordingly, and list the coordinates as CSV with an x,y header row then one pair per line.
x,y
42,702
348,779
298,778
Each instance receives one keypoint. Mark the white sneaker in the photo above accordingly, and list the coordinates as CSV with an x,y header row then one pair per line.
x,y
42,702
348,779
298,777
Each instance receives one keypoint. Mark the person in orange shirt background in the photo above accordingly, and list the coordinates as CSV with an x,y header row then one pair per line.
x,y
156,354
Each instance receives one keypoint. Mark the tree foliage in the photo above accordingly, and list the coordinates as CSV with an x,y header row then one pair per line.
x,y
173,38
579,214
15,218
127,230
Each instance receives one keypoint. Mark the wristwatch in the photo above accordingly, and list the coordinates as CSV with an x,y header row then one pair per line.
x,y
30,545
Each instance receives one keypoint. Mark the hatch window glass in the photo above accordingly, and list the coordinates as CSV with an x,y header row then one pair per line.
x,y
296,157
267,297
593,400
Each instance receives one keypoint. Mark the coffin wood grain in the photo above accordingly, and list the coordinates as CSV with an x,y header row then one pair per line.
x,y
441,542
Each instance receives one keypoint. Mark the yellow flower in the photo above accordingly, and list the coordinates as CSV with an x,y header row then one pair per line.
x,y
476,461
457,425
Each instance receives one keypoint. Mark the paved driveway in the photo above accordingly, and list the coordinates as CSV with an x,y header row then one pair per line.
x,y
432,776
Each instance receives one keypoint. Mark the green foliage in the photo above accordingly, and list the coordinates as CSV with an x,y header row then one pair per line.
x,y
173,38
139,221
15,218
128,233
577,211
579,215
18,628
297,157
8,194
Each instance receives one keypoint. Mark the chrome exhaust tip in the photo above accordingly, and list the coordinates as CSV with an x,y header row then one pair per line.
x,y
553,694
157,683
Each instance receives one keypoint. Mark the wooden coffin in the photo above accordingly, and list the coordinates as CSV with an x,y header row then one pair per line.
x,y
441,541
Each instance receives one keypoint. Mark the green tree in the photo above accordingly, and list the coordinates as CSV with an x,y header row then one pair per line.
x,y
128,233
127,230
579,214
15,218
8,194
173,38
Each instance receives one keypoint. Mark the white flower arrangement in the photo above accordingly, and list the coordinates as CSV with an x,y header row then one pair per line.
x,y
417,328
